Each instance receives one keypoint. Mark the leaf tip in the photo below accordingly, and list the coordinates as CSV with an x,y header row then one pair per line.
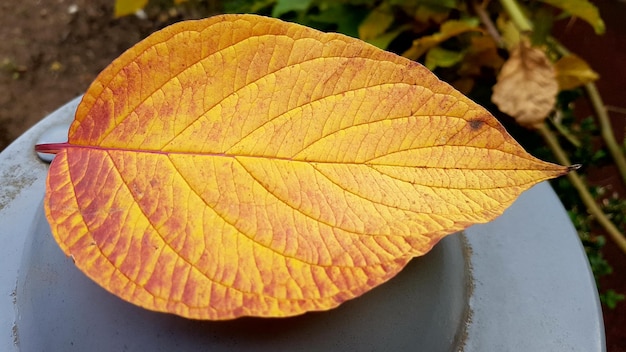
x,y
574,167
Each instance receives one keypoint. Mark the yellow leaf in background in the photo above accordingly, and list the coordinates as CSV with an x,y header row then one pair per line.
x,y
439,57
426,13
482,52
56,66
376,23
526,86
573,72
583,9
509,32
448,30
245,166
128,7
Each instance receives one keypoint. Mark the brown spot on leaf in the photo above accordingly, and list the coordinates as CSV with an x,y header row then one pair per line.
x,y
476,124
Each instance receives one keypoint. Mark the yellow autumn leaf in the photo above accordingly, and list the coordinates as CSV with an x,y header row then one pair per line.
x,y
376,22
128,7
430,13
573,72
526,86
449,29
481,53
509,32
583,9
245,166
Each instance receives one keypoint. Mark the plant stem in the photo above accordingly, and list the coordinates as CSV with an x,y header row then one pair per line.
x,y
616,109
517,16
491,27
583,191
563,131
566,134
606,129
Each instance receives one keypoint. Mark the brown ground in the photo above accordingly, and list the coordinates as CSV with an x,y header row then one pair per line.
x,y
51,50
49,55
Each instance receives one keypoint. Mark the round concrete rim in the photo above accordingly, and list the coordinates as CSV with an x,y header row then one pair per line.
x,y
528,267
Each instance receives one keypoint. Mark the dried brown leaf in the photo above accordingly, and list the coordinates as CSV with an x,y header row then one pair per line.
x,y
527,87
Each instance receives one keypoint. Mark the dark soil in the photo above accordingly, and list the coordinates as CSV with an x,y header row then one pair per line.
x,y
51,51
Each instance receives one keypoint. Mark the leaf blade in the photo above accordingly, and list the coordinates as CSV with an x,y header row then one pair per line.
x,y
583,9
573,72
233,183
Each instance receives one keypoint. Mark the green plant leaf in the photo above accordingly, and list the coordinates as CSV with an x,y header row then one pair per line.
x,y
439,57
610,298
284,6
583,9
346,18
543,20
246,6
